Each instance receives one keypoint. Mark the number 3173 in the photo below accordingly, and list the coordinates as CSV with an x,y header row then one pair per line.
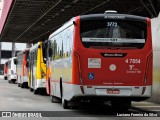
x,y
111,23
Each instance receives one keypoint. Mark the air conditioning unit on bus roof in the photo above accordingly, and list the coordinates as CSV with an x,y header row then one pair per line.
x,y
110,11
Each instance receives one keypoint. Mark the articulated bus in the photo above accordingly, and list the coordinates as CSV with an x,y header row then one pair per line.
x,y
101,57
37,68
22,69
12,70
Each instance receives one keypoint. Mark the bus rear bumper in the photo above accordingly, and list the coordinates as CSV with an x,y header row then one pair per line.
x,y
41,83
13,77
139,93
25,79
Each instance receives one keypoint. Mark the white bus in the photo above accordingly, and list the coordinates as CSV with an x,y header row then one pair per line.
x,y
12,73
22,69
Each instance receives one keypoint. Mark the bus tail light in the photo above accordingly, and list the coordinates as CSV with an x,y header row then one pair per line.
x,y
79,66
82,89
143,90
148,72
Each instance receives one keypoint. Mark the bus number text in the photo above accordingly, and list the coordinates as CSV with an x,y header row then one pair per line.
x,y
111,24
133,61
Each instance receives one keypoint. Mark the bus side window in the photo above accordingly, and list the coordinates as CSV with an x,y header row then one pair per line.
x,y
50,52
15,61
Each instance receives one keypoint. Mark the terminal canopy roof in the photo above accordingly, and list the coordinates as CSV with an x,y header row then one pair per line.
x,y
30,21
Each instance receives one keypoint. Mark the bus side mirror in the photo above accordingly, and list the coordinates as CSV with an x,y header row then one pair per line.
x,y
50,52
27,64
15,62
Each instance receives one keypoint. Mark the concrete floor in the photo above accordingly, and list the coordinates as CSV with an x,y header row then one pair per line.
x,y
13,98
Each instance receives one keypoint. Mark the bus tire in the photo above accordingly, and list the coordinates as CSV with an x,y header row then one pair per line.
x,y
36,91
19,85
65,104
54,99
13,81
126,105
5,78
31,89
22,85
26,85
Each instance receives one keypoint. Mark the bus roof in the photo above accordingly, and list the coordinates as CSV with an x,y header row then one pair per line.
x,y
112,16
99,16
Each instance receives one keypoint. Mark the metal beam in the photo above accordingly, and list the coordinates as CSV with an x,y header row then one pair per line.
x,y
38,20
153,7
146,8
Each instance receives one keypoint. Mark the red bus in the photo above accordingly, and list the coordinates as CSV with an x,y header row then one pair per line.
x,y
5,70
22,69
101,57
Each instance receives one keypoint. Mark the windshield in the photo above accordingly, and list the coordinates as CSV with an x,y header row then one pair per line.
x,y
106,34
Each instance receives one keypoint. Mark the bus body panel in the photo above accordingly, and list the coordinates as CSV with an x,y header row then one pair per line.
x,y
22,69
12,69
95,72
37,67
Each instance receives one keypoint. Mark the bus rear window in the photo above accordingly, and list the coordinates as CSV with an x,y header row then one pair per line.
x,y
103,34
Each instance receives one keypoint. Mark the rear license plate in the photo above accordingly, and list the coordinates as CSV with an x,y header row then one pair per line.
x,y
113,91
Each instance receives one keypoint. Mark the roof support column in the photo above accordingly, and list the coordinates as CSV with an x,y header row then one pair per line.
x,y
13,49
146,8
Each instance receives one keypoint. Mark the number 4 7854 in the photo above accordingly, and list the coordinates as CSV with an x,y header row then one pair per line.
x,y
134,61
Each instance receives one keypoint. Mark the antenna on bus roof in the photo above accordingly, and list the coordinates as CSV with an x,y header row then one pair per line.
x,y
110,11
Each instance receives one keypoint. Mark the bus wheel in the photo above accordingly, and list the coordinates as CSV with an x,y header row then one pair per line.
x,y
31,89
36,91
126,105
13,81
22,85
55,99
65,104
5,78
19,85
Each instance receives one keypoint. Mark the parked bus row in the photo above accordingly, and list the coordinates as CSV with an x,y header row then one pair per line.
x,y
96,58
